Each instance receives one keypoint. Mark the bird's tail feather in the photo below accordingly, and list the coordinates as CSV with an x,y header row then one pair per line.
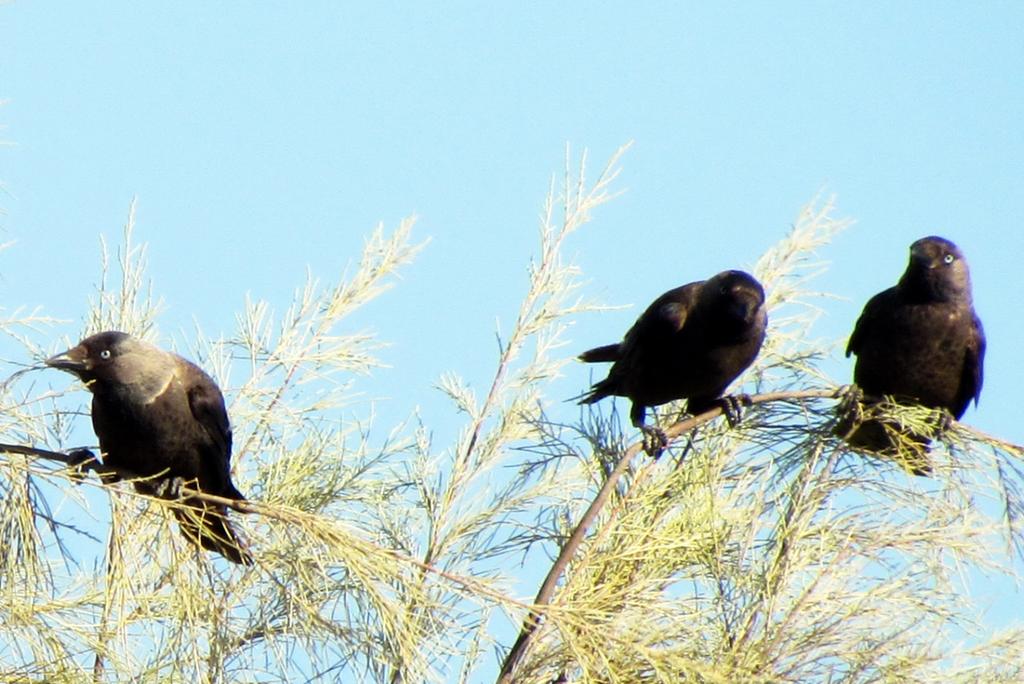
x,y
208,527
607,387
599,391
605,354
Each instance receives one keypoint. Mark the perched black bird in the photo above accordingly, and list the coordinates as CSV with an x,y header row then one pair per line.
x,y
690,343
162,418
920,343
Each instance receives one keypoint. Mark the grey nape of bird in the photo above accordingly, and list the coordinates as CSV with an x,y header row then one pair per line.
x,y
690,343
162,418
920,343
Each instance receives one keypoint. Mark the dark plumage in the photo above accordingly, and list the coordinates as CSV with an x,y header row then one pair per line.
x,y
919,342
161,417
690,343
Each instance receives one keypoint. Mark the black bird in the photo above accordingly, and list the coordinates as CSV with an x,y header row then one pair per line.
x,y
690,343
920,343
162,418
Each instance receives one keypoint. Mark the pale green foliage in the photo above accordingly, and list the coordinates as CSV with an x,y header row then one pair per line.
x,y
467,508
129,305
764,553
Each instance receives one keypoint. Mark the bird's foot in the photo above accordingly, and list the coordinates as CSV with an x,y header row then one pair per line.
x,y
79,461
849,397
732,407
169,488
944,423
849,411
655,440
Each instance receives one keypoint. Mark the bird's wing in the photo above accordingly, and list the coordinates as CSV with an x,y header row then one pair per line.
x,y
664,317
207,405
866,321
974,363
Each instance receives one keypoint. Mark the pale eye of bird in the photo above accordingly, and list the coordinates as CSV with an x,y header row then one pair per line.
x,y
949,258
105,354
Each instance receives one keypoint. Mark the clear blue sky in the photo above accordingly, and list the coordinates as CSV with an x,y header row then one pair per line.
x,y
265,138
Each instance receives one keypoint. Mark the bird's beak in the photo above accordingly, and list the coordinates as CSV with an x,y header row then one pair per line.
x,y
745,306
922,254
74,360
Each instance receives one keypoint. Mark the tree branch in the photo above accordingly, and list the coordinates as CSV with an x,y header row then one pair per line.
x,y
86,461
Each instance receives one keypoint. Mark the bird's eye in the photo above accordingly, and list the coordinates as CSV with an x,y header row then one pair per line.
x,y
949,258
105,354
